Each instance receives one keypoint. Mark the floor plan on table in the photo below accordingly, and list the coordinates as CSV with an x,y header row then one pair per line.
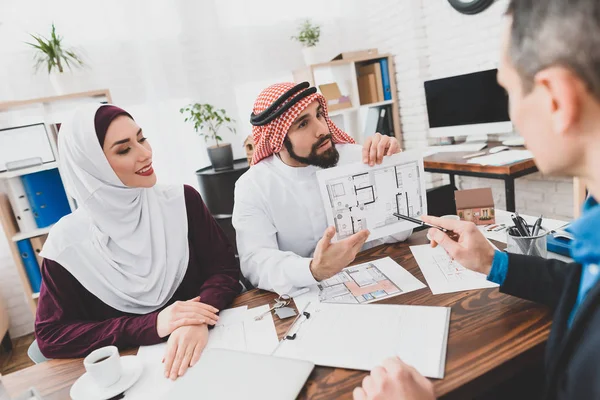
x,y
366,197
445,275
368,282
358,284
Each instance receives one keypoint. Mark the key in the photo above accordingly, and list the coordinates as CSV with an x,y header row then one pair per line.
x,y
276,306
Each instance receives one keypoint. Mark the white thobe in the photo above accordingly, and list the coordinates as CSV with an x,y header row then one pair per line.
x,y
279,217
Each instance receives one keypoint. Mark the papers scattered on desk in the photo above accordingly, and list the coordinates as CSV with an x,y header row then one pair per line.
x,y
357,196
445,275
502,158
454,148
368,282
363,336
236,330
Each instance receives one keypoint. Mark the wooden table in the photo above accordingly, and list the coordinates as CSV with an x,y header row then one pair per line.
x,y
454,164
492,336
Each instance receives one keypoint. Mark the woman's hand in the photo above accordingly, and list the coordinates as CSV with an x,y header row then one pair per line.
x,y
182,313
377,146
184,348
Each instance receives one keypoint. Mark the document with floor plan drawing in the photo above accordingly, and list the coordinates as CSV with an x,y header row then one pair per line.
x,y
445,275
357,196
365,283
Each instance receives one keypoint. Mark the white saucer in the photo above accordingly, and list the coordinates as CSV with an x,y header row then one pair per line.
x,y
86,389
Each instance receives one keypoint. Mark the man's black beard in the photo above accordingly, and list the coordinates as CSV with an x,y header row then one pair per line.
x,y
328,159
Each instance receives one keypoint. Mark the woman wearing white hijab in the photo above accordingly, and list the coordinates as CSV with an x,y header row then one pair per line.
x,y
137,263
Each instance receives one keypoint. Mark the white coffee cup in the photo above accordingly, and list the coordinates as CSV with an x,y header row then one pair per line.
x,y
104,366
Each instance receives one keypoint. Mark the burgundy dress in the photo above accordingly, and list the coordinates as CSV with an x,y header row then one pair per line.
x,y
72,322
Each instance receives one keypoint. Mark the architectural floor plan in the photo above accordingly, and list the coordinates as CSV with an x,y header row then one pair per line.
x,y
360,197
445,275
368,282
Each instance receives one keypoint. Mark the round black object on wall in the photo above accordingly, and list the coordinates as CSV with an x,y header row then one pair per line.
x,y
470,6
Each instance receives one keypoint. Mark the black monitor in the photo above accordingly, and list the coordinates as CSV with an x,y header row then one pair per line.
x,y
470,104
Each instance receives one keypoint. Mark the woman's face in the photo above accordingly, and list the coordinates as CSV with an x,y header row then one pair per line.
x,y
129,153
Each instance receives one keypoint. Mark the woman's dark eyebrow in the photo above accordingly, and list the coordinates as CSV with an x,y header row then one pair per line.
x,y
118,142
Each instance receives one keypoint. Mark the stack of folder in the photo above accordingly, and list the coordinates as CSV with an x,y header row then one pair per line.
x,y
38,200
374,82
30,262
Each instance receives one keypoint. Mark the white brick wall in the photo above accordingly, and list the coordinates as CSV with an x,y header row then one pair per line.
x,y
431,40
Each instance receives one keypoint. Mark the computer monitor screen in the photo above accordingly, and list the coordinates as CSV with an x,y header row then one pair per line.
x,y
471,104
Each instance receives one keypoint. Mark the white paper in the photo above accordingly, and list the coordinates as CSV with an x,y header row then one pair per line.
x,y
357,196
368,282
312,296
363,336
445,275
454,148
502,158
236,330
497,231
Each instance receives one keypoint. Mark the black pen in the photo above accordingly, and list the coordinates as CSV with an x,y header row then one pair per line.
x,y
537,226
451,234
519,225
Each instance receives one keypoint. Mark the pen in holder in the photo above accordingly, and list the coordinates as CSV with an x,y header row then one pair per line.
x,y
526,245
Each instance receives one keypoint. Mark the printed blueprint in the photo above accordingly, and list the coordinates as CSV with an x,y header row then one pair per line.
x,y
357,196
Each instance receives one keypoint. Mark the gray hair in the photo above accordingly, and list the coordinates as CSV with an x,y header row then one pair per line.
x,y
549,33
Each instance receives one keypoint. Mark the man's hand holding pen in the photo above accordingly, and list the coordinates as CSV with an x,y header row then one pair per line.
x,y
467,245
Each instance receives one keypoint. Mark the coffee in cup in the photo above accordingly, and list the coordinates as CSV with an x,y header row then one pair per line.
x,y
104,366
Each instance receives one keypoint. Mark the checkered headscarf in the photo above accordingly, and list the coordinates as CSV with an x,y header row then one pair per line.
x,y
268,139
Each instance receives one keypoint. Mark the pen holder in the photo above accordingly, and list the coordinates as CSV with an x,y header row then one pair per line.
x,y
527,245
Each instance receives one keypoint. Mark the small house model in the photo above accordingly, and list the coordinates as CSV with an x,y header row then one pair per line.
x,y
475,205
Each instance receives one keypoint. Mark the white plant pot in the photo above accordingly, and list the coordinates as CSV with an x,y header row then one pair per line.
x,y
311,55
61,83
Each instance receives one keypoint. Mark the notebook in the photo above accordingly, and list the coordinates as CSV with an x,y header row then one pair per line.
x,y
228,374
357,336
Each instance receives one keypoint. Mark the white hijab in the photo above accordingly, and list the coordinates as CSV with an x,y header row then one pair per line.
x,y
127,246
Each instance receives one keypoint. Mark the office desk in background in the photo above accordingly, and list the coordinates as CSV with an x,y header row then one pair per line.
x,y
492,337
454,164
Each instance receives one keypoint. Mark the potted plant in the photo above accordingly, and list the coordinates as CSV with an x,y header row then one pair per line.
x,y
207,121
52,54
308,36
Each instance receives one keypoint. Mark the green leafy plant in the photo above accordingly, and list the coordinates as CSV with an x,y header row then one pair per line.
x,y
52,54
208,120
309,34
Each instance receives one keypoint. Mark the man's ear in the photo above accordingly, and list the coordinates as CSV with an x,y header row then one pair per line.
x,y
563,92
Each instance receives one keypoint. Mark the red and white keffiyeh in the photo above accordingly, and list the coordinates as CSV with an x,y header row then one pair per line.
x,y
268,139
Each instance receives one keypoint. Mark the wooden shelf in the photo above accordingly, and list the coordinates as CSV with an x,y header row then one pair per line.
x,y
42,107
378,104
29,235
354,60
344,73
28,170
47,100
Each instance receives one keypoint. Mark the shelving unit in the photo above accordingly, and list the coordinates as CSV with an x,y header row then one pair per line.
x,y
344,73
50,111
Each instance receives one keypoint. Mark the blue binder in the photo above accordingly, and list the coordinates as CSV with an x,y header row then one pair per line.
x,y
385,78
47,196
558,245
31,265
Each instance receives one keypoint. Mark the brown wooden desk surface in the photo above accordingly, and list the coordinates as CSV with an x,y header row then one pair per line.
x,y
491,337
454,162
